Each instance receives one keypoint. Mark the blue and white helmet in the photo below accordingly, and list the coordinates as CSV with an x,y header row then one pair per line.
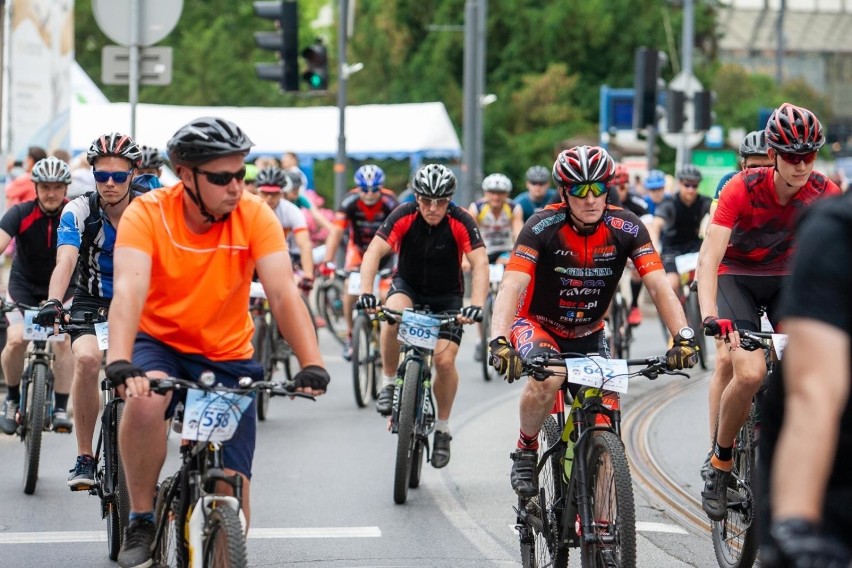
x,y
369,175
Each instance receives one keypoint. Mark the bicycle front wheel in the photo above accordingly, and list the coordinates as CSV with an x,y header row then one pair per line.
x,y
405,431
118,506
539,537
735,537
330,307
613,517
362,363
225,545
36,399
488,372
169,549
263,356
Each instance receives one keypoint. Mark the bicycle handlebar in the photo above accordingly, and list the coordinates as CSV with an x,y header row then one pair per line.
x,y
395,316
247,386
538,366
754,340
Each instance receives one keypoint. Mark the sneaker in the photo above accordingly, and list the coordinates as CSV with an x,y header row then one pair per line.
x,y
61,422
83,474
384,404
714,498
705,467
10,416
137,543
477,353
347,349
441,450
523,477
634,318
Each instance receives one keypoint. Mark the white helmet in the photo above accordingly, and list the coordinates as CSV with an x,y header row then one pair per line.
x,y
497,183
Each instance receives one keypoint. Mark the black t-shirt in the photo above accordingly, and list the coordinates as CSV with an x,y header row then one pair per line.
x,y
35,242
819,288
681,221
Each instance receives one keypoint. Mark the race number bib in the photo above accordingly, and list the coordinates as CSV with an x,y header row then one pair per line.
x,y
779,343
33,331
419,330
686,263
102,333
495,273
610,374
256,290
212,417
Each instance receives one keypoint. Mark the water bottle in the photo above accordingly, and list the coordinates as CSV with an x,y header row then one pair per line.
x,y
177,419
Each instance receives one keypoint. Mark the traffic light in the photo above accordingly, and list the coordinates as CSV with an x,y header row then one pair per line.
x,y
674,110
284,41
316,72
645,87
702,103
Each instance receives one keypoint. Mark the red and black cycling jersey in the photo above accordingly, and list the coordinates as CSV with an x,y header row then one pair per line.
x,y
35,241
429,258
761,240
574,276
363,220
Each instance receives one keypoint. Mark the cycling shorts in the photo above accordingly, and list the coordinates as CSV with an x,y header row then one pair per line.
x,y
435,303
22,292
493,257
669,254
150,354
740,296
82,303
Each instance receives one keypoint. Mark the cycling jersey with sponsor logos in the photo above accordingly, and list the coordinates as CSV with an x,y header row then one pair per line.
x,y
429,258
496,230
35,237
361,219
761,240
574,276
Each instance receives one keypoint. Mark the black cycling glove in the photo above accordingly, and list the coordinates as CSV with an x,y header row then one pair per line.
x,y
312,376
472,312
119,371
49,313
368,302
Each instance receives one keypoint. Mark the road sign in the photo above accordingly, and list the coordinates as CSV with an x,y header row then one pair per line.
x,y
689,85
156,19
155,65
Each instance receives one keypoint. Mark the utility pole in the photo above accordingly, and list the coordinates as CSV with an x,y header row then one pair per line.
x,y
779,48
470,103
342,79
481,33
684,151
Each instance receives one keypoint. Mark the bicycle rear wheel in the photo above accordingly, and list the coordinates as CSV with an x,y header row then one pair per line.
x,y
693,320
735,537
613,515
330,307
488,372
225,545
362,362
540,535
619,329
405,431
169,548
118,505
263,356
36,400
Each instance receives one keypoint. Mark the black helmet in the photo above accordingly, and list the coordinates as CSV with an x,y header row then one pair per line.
x,y
114,144
754,144
151,158
51,170
538,174
205,139
688,172
273,176
434,181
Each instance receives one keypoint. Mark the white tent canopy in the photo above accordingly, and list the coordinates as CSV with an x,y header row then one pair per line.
x,y
394,131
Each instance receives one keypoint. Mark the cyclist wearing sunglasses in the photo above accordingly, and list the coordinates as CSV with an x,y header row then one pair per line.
x,y
677,222
85,240
429,236
539,194
744,264
362,212
33,225
562,275
184,261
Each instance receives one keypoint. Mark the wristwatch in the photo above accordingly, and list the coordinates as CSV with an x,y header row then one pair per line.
x,y
686,333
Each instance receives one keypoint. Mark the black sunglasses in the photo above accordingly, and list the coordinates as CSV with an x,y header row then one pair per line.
x,y
221,178
102,176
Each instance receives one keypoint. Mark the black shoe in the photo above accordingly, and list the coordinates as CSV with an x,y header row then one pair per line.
x,y
136,546
714,498
8,418
441,450
523,477
705,467
82,474
384,404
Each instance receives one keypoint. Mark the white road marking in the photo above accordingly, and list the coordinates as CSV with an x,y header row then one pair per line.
x,y
100,536
643,526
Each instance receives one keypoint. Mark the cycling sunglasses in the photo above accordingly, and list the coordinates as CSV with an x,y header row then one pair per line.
x,y
222,178
370,188
429,202
103,176
597,188
794,159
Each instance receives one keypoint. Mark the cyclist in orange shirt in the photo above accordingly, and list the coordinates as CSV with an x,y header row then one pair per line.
x,y
184,259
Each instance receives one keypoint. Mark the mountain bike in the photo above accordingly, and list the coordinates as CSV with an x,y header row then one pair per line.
x,y
413,411
196,526
495,276
686,266
366,349
735,538
620,331
329,302
585,497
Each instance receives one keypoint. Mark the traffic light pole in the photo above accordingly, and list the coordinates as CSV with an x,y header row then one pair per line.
x,y
342,79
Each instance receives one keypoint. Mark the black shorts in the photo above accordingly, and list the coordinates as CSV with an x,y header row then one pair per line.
x,y
434,303
494,256
669,254
739,297
84,303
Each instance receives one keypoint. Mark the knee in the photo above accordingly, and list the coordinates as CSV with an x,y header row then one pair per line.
x,y
750,379
87,363
15,345
542,391
444,364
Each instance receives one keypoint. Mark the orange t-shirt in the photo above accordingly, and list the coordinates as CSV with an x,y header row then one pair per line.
x,y
199,293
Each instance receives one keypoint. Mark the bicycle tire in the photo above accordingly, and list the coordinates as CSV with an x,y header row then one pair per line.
x,y
405,430
330,305
488,372
225,545
263,356
362,363
118,509
169,549
619,329
613,513
735,537
693,320
416,464
36,400
376,358
538,543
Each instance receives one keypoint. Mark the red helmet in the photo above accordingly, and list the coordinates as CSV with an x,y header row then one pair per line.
x,y
794,130
583,164
620,177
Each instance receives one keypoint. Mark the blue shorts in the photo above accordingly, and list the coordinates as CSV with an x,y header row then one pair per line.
x,y
152,355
